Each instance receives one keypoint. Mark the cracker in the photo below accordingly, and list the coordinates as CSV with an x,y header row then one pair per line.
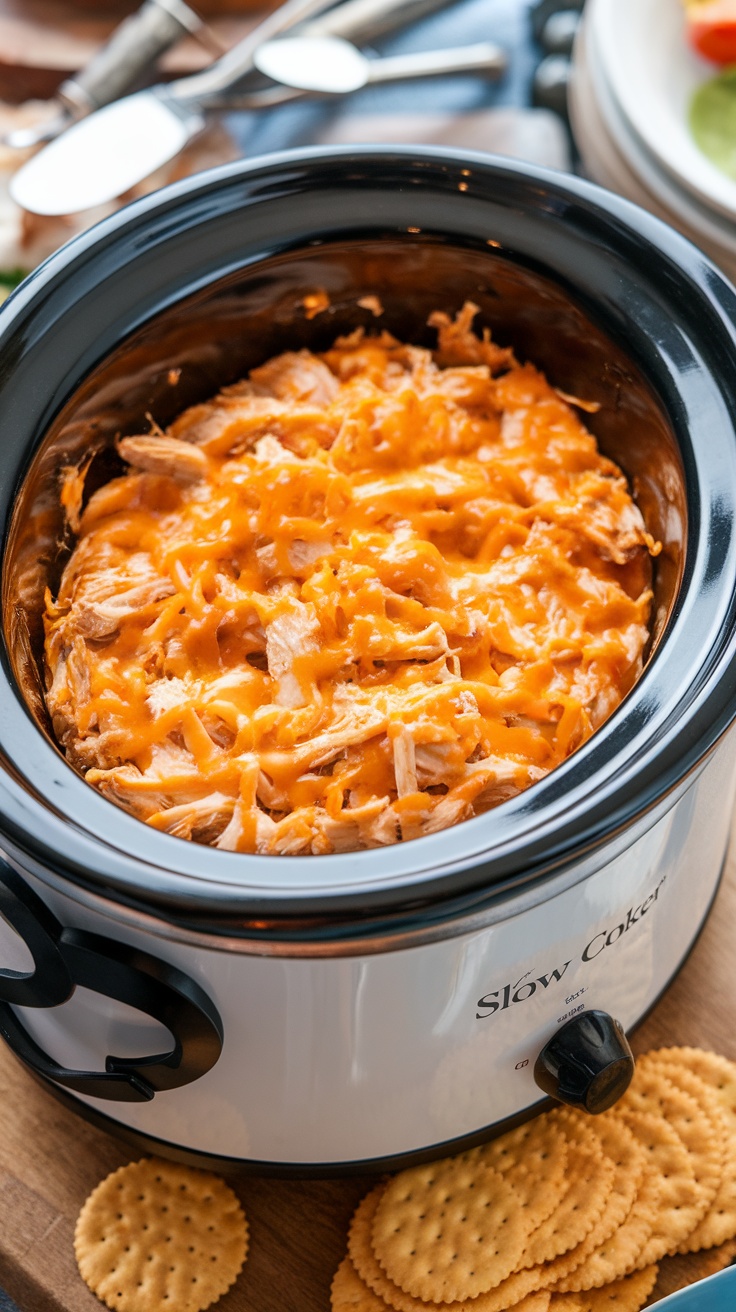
x,y
716,1071
508,1294
449,1230
718,1226
681,1199
627,1295
589,1184
155,1235
348,1293
533,1158
617,1238
652,1091
719,1223
685,1269
621,1252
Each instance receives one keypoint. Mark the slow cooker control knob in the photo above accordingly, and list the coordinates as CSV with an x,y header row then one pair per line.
x,y
588,1063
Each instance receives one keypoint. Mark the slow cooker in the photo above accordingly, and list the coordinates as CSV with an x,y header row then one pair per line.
x,y
348,1012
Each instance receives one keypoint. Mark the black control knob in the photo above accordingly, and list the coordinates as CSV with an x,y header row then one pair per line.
x,y
588,1063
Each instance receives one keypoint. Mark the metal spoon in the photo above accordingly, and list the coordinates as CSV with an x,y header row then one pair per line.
x,y
330,65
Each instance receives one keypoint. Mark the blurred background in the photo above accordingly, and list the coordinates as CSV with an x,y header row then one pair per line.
x,y
520,113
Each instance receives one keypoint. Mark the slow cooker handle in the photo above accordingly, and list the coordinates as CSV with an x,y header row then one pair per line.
x,y
587,1063
50,982
64,958
150,985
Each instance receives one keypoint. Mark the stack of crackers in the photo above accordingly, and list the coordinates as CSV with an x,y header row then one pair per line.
x,y
569,1213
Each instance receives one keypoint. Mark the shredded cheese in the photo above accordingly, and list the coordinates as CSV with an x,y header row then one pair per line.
x,y
352,600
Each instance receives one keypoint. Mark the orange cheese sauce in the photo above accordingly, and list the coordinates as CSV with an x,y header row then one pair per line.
x,y
352,600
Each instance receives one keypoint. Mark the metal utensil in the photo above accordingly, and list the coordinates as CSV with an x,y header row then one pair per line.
x,y
330,65
362,21
133,48
141,39
104,155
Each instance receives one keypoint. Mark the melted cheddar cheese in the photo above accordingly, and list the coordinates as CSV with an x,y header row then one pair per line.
x,y
352,600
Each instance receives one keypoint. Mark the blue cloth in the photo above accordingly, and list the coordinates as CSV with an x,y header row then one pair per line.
x,y
7,1304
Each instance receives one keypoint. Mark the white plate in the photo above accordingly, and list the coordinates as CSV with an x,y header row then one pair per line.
x,y
705,225
607,166
652,73
602,160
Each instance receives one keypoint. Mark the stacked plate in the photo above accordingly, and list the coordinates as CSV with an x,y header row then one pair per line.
x,y
634,76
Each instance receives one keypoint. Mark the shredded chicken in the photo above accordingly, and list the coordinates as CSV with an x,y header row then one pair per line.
x,y
165,455
291,640
373,304
354,599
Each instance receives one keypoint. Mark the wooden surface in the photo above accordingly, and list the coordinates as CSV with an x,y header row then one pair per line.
x,y
50,1160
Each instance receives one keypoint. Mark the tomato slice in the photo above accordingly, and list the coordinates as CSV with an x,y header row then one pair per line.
x,y
711,29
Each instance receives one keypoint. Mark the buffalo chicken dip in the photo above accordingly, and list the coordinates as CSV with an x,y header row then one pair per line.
x,y
354,599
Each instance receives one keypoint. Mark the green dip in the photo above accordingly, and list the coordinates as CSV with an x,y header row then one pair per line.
x,y
713,120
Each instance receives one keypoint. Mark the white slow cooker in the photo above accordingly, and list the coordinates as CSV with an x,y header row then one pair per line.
x,y
348,1012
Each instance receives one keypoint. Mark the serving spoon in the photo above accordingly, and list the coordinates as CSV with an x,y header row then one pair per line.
x,y
330,65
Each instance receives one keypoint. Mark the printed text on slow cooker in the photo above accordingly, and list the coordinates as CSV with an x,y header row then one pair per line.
x,y
524,988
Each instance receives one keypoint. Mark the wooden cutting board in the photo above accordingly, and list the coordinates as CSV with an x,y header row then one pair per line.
x,y
50,1160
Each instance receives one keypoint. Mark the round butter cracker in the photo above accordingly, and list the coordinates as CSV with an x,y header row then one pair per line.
x,y
719,1222
155,1236
509,1294
348,1293
533,1158
537,1302
681,1202
627,1295
449,1230
652,1091
617,1238
716,1071
620,1253
589,1184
